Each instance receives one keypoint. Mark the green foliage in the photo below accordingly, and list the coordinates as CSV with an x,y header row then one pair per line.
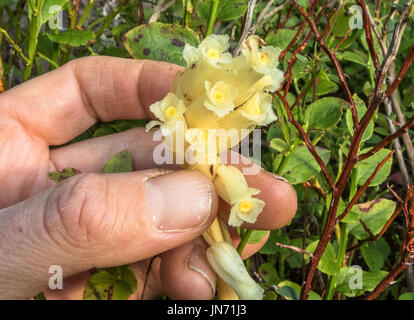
x,y
159,41
257,236
375,254
72,37
291,291
366,168
59,176
121,162
324,113
407,296
302,159
374,214
227,10
116,283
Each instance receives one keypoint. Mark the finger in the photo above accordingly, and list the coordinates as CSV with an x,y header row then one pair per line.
x,y
62,104
279,196
92,154
186,274
94,220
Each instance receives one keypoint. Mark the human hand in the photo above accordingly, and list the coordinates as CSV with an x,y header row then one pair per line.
x,y
93,220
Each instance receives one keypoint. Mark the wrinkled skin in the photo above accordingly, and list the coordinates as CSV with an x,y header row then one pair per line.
x,y
93,220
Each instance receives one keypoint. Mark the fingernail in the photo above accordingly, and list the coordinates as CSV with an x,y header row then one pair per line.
x,y
179,201
198,262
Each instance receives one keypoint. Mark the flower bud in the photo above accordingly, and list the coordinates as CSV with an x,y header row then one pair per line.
x,y
228,265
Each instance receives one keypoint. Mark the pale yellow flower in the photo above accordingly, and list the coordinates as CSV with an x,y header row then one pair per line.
x,y
212,50
259,109
263,60
246,208
220,97
169,111
231,185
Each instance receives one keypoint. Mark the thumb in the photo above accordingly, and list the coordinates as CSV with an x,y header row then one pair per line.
x,y
96,220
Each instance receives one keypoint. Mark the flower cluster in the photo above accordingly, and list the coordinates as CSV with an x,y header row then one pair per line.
x,y
217,101
216,92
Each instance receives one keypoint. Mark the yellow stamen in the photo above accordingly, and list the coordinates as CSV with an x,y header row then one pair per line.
x,y
218,96
256,110
170,112
245,206
263,57
212,54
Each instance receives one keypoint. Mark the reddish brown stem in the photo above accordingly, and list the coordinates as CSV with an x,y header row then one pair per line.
x,y
400,267
368,34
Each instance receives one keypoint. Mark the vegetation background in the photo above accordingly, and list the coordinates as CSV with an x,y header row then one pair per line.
x,y
342,138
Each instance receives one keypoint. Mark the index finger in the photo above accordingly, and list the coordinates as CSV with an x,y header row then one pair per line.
x,y
62,104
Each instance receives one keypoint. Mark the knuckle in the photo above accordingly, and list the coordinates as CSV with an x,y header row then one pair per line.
x,y
79,210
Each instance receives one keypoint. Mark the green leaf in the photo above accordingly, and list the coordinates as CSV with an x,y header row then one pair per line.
x,y
358,58
291,291
50,8
327,264
59,176
281,38
340,23
347,281
324,87
375,254
278,144
103,131
268,273
256,236
367,166
407,296
361,109
116,283
73,37
121,162
302,165
227,9
159,41
374,214
270,247
324,113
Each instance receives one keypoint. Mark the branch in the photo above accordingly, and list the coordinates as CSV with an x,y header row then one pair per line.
x,y
386,281
264,16
368,35
246,29
296,249
160,8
